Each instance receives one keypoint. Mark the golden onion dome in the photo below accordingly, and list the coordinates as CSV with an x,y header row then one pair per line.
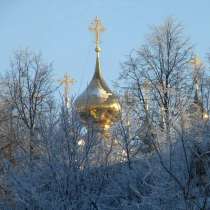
x,y
98,105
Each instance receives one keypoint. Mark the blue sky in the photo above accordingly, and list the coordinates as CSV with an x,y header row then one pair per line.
x,y
59,29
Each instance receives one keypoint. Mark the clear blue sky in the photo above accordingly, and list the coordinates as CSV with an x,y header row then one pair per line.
x,y
59,29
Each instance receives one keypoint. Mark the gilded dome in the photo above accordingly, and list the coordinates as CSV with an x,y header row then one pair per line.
x,y
98,105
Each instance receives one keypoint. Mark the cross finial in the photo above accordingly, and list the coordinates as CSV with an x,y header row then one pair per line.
x,y
97,27
66,82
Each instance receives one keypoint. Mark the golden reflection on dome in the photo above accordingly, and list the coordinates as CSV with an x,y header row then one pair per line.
x,y
97,104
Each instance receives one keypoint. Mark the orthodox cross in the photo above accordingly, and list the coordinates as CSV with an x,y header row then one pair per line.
x,y
66,82
97,27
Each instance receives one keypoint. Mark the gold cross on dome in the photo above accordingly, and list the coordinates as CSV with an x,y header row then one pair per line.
x,y
97,27
66,82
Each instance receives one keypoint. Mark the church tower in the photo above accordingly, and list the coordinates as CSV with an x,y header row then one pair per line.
x,y
196,111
